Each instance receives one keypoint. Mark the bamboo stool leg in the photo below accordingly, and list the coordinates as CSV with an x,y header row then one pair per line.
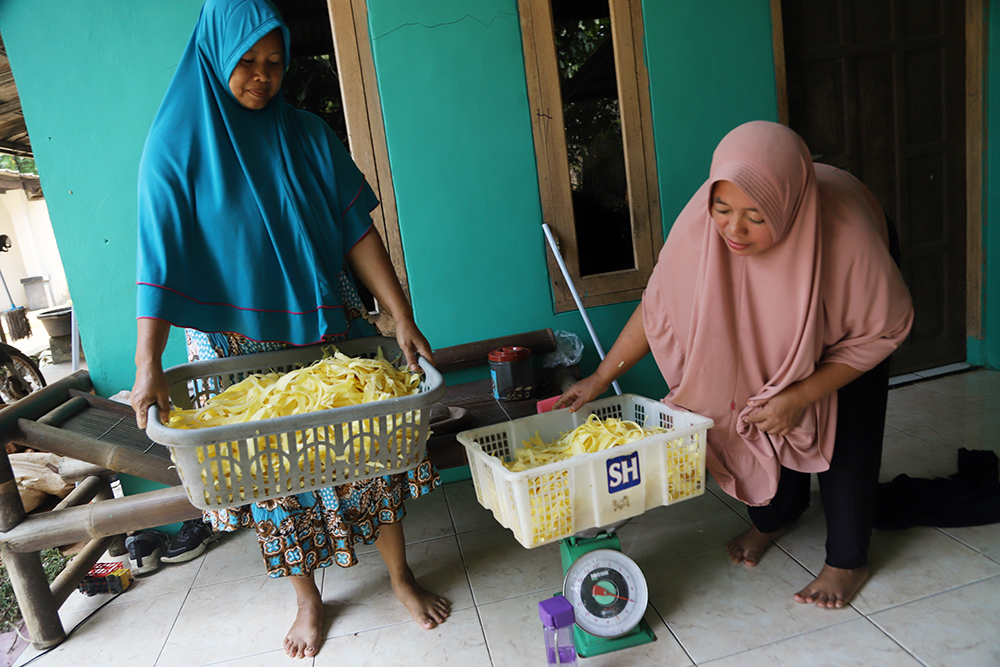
x,y
27,578
34,597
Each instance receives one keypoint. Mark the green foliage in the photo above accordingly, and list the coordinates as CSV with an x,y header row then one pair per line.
x,y
593,123
22,165
576,40
53,563
311,84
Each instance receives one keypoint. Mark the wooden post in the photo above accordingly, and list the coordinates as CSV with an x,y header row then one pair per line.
x,y
38,608
77,569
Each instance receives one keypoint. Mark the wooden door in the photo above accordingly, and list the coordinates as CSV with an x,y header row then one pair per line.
x,y
877,87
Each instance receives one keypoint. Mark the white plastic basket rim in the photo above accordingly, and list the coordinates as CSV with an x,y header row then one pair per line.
x,y
432,389
468,438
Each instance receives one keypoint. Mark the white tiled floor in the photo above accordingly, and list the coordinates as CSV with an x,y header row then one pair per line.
x,y
933,598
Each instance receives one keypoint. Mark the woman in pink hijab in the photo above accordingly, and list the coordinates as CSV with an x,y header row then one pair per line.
x,y
773,309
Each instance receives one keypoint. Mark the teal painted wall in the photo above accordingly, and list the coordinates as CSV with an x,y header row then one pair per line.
x,y
90,76
986,351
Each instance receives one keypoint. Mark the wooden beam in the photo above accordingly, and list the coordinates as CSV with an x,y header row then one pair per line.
x,y
780,73
976,39
365,127
20,150
39,403
99,519
104,454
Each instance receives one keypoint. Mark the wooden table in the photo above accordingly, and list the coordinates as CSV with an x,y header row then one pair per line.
x,y
477,397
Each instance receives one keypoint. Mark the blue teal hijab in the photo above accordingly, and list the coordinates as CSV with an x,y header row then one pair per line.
x,y
244,216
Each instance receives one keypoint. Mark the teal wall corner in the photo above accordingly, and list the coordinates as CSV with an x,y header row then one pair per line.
x,y
457,474
975,353
988,349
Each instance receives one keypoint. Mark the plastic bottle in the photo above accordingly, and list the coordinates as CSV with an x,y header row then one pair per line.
x,y
511,370
557,625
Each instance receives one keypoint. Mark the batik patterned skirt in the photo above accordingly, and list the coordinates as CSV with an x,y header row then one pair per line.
x,y
300,533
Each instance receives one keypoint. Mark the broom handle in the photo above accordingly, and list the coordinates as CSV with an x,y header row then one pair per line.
x,y
576,297
9,297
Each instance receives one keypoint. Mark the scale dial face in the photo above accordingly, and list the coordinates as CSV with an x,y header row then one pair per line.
x,y
607,591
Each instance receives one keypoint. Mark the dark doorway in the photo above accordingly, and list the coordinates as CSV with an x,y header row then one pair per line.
x,y
877,87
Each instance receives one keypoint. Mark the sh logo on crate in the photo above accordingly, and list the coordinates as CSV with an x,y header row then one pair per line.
x,y
623,472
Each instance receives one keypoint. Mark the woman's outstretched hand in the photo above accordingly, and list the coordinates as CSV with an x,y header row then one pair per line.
x,y
581,393
150,388
779,414
413,344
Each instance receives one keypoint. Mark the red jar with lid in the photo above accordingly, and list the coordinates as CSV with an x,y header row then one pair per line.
x,y
512,373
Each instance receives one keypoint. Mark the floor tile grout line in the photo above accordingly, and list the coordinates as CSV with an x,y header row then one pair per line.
x,y
980,409
932,595
966,544
895,641
468,579
482,631
929,442
173,624
953,397
673,634
782,639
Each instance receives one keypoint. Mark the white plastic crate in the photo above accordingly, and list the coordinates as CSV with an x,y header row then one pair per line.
x,y
395,431
557,500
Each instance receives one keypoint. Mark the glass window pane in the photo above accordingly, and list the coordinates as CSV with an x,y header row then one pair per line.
x,y
593,135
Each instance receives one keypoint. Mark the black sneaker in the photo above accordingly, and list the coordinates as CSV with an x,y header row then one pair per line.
x,y
189,542
144,549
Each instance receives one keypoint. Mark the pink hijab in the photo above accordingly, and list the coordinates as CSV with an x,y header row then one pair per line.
x,y
724,329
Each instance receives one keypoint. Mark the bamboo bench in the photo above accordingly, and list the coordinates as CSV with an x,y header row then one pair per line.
x,y
66,419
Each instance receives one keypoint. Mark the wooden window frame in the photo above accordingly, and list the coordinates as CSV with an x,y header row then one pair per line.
x,y
548,128
365,127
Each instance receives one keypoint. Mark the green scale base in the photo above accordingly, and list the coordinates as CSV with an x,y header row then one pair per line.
x,y
588,645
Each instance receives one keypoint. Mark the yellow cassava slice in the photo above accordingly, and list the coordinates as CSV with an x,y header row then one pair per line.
x,y
594,435
332,382
549,494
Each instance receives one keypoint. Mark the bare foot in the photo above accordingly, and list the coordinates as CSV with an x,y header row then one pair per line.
x,y
426,608
306,634
833,588
748,548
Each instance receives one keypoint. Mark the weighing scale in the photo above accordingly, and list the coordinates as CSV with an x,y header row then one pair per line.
x,y
608,593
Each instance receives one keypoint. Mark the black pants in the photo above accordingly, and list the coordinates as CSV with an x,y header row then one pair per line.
x,y
848,488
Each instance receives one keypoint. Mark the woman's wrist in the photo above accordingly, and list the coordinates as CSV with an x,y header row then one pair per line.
x,y
606,374
148,363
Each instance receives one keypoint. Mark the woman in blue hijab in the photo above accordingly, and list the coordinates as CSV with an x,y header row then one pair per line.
x,y
248,209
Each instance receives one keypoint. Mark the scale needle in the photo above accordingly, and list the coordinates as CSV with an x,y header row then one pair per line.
x,y
599,590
